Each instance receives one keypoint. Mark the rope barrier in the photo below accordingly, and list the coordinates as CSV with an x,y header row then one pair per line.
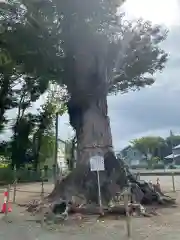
x,y
25,191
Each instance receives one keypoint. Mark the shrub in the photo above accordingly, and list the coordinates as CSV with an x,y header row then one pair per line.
x,y
4,165
6,175
23,175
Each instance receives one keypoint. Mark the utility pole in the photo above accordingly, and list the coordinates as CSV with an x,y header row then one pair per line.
x,y
172,145
56,149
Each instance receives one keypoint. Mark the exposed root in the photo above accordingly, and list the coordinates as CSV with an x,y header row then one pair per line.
x,y
59,210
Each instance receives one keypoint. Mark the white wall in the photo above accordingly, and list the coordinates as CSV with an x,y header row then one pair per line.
x,y
62,164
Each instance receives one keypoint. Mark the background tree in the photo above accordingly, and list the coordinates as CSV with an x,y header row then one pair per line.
x,y
7,83
156,145
149,145
26,93
44,133
31,132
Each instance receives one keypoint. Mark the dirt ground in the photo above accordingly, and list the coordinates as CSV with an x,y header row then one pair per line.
x,y
21,225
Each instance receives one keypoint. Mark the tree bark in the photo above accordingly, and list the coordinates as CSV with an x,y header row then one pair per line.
x,y
94,137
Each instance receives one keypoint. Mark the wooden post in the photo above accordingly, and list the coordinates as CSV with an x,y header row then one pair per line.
x,y
14,185
45,172
173,182
7,201
99,194
128,217
56,150
54,173
138,176
42,202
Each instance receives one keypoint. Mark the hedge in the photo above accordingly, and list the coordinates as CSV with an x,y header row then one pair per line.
x,y
23,175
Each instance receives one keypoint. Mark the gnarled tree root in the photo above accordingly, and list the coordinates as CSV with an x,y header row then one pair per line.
x,y
80,187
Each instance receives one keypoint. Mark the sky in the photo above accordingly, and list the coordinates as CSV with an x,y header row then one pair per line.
x,y
154,110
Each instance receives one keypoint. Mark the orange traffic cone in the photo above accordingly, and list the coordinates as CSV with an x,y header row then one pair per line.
x,y
6,204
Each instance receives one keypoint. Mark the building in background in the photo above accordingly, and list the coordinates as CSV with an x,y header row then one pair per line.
x,y
133,156
174,157
61,156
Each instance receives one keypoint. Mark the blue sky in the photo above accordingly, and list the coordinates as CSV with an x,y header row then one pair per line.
x,y
150,111
155,110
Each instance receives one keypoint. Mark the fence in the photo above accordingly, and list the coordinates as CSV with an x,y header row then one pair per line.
x,y
24,175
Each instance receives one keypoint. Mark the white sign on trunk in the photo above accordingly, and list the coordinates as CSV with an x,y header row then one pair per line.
x,y
97,163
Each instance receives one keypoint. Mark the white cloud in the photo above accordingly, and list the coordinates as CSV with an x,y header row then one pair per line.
x,y
158,11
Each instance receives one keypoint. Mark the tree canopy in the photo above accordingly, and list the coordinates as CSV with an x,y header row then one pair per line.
x,y
71,42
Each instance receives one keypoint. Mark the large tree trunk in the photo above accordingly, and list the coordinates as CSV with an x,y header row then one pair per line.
x,y
94,137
